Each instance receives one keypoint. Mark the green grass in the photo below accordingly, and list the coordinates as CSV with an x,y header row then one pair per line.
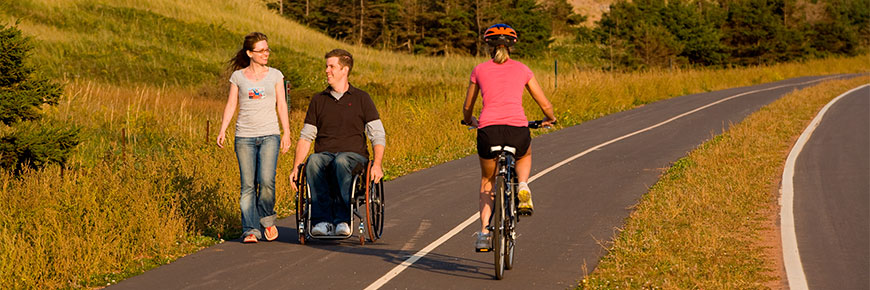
x,y
709,223
143,78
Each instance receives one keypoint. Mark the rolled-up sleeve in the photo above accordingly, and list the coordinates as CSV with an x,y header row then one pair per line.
x,y
375,131
309,132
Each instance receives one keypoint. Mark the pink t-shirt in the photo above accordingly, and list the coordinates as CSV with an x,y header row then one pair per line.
x,y
501,87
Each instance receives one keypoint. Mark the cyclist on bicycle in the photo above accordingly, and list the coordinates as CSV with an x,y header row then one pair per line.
x,y
503,121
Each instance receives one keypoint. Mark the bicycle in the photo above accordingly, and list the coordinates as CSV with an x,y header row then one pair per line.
x,y
504,218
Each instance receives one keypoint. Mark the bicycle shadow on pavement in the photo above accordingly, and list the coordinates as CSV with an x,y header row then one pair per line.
x,y
482,269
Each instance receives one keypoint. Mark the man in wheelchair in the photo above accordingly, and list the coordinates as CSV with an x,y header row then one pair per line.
x,y
338,121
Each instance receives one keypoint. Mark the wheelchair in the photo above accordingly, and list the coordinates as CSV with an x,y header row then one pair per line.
x,y
366,206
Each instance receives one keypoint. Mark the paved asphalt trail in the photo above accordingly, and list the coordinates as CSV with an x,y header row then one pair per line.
x,y
832,197
578,206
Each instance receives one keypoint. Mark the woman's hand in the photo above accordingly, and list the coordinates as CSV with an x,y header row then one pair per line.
x,y
547,122
221,138
285,143
473,124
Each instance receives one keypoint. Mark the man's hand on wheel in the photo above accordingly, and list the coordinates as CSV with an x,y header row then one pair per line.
x,y
377,173
293,174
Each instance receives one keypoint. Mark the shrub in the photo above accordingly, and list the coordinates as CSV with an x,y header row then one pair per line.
x,y
22,92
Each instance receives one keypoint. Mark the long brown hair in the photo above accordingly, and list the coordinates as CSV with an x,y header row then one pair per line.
x,y
242,60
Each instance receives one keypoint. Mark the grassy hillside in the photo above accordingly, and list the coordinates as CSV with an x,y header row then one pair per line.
x,y
145,79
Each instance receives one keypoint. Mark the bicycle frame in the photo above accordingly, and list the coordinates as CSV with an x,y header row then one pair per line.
x,y
506,168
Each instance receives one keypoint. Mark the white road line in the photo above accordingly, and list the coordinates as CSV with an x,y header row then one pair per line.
x,y
401,267
407,263
793,268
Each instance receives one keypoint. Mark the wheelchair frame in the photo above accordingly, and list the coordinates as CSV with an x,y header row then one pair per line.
x,y
366,205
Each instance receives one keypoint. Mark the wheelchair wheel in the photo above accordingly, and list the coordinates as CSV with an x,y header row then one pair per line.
x,y
358,204
302,201
374,201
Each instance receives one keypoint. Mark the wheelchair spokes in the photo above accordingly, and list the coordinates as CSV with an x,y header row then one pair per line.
x,y
302,204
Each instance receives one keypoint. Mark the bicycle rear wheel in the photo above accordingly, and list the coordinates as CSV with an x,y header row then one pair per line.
x,y
510,224
498,228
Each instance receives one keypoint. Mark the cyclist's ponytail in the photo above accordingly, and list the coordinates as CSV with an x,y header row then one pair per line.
x,y
500,38
500,54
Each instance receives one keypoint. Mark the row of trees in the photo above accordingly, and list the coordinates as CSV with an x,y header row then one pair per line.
x,y
651,33
631,34
432,27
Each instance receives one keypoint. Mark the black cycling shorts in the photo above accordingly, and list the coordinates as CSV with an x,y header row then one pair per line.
x,y
496,135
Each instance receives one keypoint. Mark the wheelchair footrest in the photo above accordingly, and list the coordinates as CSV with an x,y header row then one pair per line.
x,y
331,237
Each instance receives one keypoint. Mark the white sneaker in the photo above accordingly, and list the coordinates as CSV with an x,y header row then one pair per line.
x,y
482,242
526,207
322,229
342,229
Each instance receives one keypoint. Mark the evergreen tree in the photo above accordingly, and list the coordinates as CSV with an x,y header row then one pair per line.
x,y
756,33
650,33
561,15
27,142
534,32
844,30
633,34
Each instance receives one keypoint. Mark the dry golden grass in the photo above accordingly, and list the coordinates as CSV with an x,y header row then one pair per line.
x,y
146,185
702,225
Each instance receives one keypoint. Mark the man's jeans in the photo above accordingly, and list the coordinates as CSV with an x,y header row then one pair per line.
x,y
258,159
336,168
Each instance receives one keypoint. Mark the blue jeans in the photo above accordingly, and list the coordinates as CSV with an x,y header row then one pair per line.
x,y
258,160
326,170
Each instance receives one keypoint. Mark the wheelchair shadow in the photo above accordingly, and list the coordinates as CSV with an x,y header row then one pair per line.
x,y
433,262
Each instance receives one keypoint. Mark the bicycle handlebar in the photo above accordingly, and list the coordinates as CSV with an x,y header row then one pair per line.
x,y
537,124
532,124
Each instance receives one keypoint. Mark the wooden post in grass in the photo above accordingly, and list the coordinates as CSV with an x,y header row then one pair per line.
x,y
287,94
207,128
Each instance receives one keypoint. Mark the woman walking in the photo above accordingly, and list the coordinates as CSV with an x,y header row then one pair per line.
x,y
257,91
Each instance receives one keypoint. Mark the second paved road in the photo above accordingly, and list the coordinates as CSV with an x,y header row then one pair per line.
x,y
578,205
832,197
